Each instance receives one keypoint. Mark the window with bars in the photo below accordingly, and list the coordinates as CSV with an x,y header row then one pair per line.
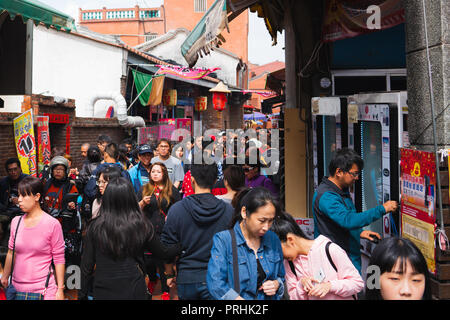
x,y
200,5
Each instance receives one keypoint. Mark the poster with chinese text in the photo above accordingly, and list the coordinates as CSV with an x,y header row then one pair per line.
x,y
418,201
44,150
25,142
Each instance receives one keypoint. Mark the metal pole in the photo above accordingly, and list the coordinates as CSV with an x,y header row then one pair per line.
x,y
140,93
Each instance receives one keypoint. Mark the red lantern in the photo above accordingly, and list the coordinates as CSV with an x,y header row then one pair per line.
x,y
219,100
170,98
201,103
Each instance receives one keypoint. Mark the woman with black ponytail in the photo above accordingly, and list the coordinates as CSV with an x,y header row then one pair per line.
x,y
114,247
247,261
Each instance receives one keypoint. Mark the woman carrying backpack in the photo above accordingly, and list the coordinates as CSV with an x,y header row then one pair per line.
x,y
315,269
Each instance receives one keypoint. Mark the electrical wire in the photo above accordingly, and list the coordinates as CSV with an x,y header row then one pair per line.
x,y
431,123
314,57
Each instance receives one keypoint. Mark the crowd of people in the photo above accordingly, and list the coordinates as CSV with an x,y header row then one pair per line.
x,y
133,216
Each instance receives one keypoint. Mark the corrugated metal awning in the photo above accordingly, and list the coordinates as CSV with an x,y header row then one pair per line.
x,y
38,12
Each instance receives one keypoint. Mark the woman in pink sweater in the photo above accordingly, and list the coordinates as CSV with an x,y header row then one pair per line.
x,y
39,241
315,275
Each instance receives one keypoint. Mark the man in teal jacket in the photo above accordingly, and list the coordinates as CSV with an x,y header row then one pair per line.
x,y
335,214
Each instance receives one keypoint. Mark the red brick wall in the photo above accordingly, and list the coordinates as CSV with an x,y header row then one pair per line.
x,y
82,129
7,148
88,129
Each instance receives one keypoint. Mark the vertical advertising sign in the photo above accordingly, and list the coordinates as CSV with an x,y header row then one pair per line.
x,y
44,150
166,127
25,142
418,201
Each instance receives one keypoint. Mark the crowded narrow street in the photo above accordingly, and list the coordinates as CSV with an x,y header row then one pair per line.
x,y
224,150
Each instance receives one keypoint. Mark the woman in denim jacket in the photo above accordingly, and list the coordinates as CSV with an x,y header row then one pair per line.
x,y
260,257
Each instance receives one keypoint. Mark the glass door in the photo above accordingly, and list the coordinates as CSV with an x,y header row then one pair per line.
x,y
371,175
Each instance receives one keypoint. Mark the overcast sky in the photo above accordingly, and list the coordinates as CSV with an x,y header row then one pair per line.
x,y
260,52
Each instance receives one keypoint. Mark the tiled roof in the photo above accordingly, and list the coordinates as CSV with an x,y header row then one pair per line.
x,y
146,56
267,68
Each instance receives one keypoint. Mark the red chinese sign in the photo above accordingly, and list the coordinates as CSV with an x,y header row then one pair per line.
x,y
44,150
184,123
148,135
57,118
418,201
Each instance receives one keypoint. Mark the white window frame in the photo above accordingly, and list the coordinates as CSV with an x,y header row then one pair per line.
x,y
388,73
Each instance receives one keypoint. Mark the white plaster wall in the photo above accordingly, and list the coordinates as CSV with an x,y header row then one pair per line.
x,y
171,50
77,68
12,103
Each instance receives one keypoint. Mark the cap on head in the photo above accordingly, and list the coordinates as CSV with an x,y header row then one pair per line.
x,y
145,148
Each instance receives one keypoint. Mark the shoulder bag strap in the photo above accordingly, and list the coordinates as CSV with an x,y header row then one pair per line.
x,y
235,262
327,250
291,265
56,198
48,277
14,248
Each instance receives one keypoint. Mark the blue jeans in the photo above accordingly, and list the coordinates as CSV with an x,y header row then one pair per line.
x,y
193,291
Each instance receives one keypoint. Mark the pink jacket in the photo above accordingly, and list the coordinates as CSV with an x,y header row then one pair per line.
x,y
345,283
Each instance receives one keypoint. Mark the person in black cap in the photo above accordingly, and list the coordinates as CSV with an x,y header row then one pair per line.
x,y
139,173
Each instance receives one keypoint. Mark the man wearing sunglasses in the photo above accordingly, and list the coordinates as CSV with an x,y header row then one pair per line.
x,y
335,214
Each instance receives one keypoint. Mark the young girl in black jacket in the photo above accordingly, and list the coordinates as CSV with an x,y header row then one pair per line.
x,y
157,197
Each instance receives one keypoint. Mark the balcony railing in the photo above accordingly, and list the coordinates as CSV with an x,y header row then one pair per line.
x,y
93,15
123,14
120,14
148,14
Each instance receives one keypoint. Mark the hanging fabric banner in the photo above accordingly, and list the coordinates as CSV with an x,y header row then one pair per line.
x,y
264,94
350,18
44,150
206,35
152,94
25,142
186,73
156,92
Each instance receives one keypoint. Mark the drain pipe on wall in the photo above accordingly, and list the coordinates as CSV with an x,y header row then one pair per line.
x,y
121,109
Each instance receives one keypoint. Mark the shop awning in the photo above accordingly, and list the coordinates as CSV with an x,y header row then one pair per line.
x,y
38,12
206,35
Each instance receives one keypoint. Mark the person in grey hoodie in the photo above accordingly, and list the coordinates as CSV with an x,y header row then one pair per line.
x,y
193,222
